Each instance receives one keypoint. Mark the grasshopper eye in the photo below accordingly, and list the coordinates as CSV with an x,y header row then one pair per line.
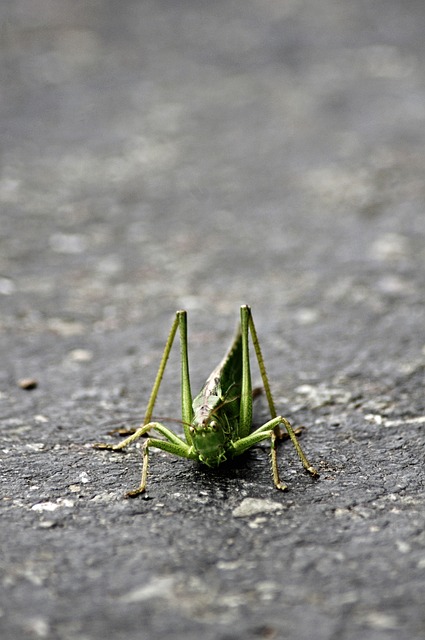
x,y
213,425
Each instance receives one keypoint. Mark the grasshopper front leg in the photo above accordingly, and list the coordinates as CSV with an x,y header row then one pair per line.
x,y
291,433
268,431
173,444
180,449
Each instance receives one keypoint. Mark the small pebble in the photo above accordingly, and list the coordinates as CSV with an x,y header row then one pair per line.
x,y
253,506
28,383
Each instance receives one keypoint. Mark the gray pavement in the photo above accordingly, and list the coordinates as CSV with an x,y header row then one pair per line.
x,y
159,155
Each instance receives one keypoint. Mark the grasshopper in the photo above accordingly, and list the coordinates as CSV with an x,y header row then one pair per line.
x,y
217,423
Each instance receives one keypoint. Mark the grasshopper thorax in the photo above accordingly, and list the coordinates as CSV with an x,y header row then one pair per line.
x,y
209,440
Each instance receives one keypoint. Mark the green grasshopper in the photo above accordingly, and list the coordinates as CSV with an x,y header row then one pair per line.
x,y
217,422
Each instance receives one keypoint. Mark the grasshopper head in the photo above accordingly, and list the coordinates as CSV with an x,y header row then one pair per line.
x,y
209,440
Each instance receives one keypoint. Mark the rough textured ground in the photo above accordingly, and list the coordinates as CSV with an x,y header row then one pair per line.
x,y
167,154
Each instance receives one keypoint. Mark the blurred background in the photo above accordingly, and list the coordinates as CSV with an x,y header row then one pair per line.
x,y
157,155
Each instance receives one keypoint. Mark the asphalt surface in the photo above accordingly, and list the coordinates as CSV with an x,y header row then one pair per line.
x,y
201,155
